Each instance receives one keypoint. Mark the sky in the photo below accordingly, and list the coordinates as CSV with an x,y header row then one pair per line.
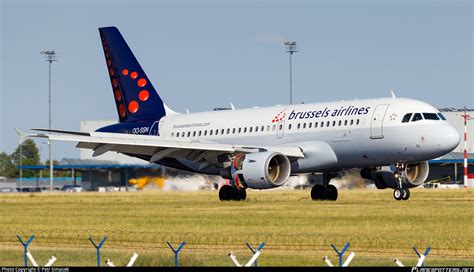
x,y
205,54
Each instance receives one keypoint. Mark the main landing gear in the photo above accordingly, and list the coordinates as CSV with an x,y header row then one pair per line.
x,y
402,192
325,191
229,192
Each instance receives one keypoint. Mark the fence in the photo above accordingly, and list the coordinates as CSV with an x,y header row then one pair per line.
x,y
137,241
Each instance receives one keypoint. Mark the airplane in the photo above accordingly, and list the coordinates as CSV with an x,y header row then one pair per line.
x,y
389,139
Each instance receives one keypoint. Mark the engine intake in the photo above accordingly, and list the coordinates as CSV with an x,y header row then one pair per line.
x,y
416,173
260,170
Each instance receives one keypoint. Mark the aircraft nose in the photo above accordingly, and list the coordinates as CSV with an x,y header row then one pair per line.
x,y
451,138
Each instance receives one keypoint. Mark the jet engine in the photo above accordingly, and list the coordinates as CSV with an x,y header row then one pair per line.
x,y
415,174
260,170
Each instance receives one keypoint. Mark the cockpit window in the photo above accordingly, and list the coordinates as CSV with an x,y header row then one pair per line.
x,y
417,117
406,118
430,116
441,116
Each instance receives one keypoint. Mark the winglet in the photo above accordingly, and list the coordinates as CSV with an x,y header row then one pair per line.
x,y
21,135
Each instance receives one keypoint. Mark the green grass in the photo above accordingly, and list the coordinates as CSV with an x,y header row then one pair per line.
x,y
297,231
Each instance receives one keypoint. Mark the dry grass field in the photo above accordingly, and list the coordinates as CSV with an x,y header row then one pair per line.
x,y
296,230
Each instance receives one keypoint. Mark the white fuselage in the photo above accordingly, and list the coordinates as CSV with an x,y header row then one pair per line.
x,y
362,133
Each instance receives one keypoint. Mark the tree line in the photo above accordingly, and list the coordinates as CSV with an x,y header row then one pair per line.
x,y
29,156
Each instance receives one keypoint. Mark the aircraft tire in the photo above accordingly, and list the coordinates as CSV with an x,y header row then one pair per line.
x,y
242,194
398,194
331,192
406,194
226,192
317,192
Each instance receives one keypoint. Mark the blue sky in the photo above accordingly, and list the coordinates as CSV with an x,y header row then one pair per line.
x,y
203,54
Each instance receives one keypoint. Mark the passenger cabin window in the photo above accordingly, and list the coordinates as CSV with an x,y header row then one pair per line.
x,y
310,125
289,126
416,117
250,129
407,117
430,116
304,125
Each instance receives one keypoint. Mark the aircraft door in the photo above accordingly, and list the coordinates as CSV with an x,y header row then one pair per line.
x,y
280,129
376,124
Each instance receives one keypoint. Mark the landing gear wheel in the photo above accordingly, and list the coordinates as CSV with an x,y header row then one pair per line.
x,y
398,194
226,192
331,192
242,194
317,192
406,194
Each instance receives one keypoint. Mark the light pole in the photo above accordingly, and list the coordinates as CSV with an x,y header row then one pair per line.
x,y
21,139
291,48
50,57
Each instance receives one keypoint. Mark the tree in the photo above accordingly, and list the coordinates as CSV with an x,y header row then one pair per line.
x,y
7,168
30,156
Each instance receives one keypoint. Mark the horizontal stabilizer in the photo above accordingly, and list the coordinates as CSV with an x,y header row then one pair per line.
x,y
62,131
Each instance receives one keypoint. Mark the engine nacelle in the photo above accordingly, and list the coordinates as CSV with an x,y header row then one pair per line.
x,y
415,174
260,170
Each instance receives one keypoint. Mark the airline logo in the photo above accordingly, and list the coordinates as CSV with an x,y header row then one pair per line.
x,y
342,111
280,116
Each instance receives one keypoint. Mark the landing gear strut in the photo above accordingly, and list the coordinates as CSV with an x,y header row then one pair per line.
x,y
326,191
402,192
229,192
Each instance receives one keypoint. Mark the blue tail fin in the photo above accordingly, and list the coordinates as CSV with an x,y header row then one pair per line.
x,y
135,97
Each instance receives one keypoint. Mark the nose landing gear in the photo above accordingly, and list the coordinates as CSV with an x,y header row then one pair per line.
x,y
402,192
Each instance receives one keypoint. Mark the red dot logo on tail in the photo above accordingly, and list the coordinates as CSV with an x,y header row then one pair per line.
x,y
141,82
144,95
133,106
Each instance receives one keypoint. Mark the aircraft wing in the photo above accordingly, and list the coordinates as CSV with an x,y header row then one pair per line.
x,y
157,147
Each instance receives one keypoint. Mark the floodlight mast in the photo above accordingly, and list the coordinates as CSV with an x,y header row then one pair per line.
x,y
50,56
291,48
